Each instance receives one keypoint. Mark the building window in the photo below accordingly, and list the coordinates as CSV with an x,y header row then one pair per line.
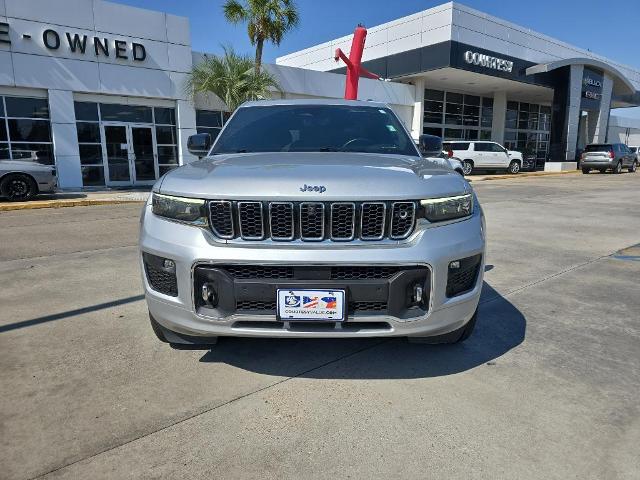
x,y
89,116
457,116
89,143
210,121
25,130
166,139
527,130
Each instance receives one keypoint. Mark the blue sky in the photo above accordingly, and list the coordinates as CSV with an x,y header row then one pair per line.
x,y
593,24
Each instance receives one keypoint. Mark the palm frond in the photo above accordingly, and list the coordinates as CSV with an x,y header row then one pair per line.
x,y
234,11
232,78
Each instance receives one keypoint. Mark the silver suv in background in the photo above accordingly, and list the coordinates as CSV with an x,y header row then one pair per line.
x,y
21,180
636,150
608,156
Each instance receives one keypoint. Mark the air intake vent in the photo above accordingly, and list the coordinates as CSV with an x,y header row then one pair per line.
x,y
221,217
372,221
402,218
343,221
312,221
251,221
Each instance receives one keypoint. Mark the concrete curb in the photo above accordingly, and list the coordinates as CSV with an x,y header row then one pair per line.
x,y
522,175
7,207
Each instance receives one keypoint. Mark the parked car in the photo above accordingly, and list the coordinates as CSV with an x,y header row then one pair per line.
x,y
635,150
484,155
21,180
430,146
312,218
608,156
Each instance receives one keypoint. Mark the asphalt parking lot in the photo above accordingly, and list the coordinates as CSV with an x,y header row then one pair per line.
x,y
547,387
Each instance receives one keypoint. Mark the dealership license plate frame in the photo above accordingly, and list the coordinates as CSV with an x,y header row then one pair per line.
x,y
341,307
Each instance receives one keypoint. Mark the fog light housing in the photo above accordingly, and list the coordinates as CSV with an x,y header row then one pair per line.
x,y
161,274
462,275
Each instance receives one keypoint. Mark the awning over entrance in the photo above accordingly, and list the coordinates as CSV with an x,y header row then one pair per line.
x,y
621,84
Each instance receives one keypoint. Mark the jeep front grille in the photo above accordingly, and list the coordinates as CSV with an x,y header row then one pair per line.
x,y
312,221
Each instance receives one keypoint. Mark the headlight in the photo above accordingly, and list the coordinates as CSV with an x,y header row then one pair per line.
x,y
447,208
181,209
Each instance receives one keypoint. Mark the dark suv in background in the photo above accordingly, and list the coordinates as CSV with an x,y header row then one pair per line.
x,y
608,156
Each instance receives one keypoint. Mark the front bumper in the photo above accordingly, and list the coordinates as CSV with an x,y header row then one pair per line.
x,y
430,247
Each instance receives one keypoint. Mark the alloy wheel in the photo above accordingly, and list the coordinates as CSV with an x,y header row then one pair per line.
x,y
467,167
17,189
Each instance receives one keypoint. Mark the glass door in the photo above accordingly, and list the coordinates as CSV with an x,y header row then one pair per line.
x,y
130,153
142,155
116,145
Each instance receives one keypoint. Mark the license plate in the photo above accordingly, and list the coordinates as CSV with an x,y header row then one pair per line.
x,y
311,305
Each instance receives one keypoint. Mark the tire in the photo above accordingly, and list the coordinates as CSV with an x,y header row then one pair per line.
x,y
457,336
514,167
18,187
467,167
633,167
585,170
618,168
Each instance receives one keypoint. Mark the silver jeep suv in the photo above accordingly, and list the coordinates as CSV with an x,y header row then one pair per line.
x,y
312,219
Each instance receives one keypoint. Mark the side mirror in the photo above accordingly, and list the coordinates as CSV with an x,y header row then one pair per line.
x,y
199,144
430,145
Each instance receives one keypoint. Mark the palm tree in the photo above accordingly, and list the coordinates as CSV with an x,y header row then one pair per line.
x,y
267,20
232,78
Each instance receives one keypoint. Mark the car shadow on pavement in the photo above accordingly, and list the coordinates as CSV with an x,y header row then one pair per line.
x,y
500,327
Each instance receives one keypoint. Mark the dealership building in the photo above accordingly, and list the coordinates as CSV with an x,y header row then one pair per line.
x,y
98,88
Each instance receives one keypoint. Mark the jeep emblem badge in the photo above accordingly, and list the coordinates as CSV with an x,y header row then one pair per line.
x,y
313,188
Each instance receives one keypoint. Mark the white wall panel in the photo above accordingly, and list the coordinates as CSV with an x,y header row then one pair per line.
x,y
134,81
6,68
178,81
65,139
130,21
377,51
376,36
179,57
61,73
2,8
178,29
436,35
69,173
74,13
436,18
404,44
61,107
404,29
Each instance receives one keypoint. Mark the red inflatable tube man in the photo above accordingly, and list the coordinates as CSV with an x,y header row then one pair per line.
x,y
354,67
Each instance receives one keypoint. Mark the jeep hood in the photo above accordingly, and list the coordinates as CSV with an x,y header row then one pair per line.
x,y
344,176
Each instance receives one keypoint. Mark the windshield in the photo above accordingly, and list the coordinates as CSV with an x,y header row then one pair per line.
x,y
633,149
314,128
